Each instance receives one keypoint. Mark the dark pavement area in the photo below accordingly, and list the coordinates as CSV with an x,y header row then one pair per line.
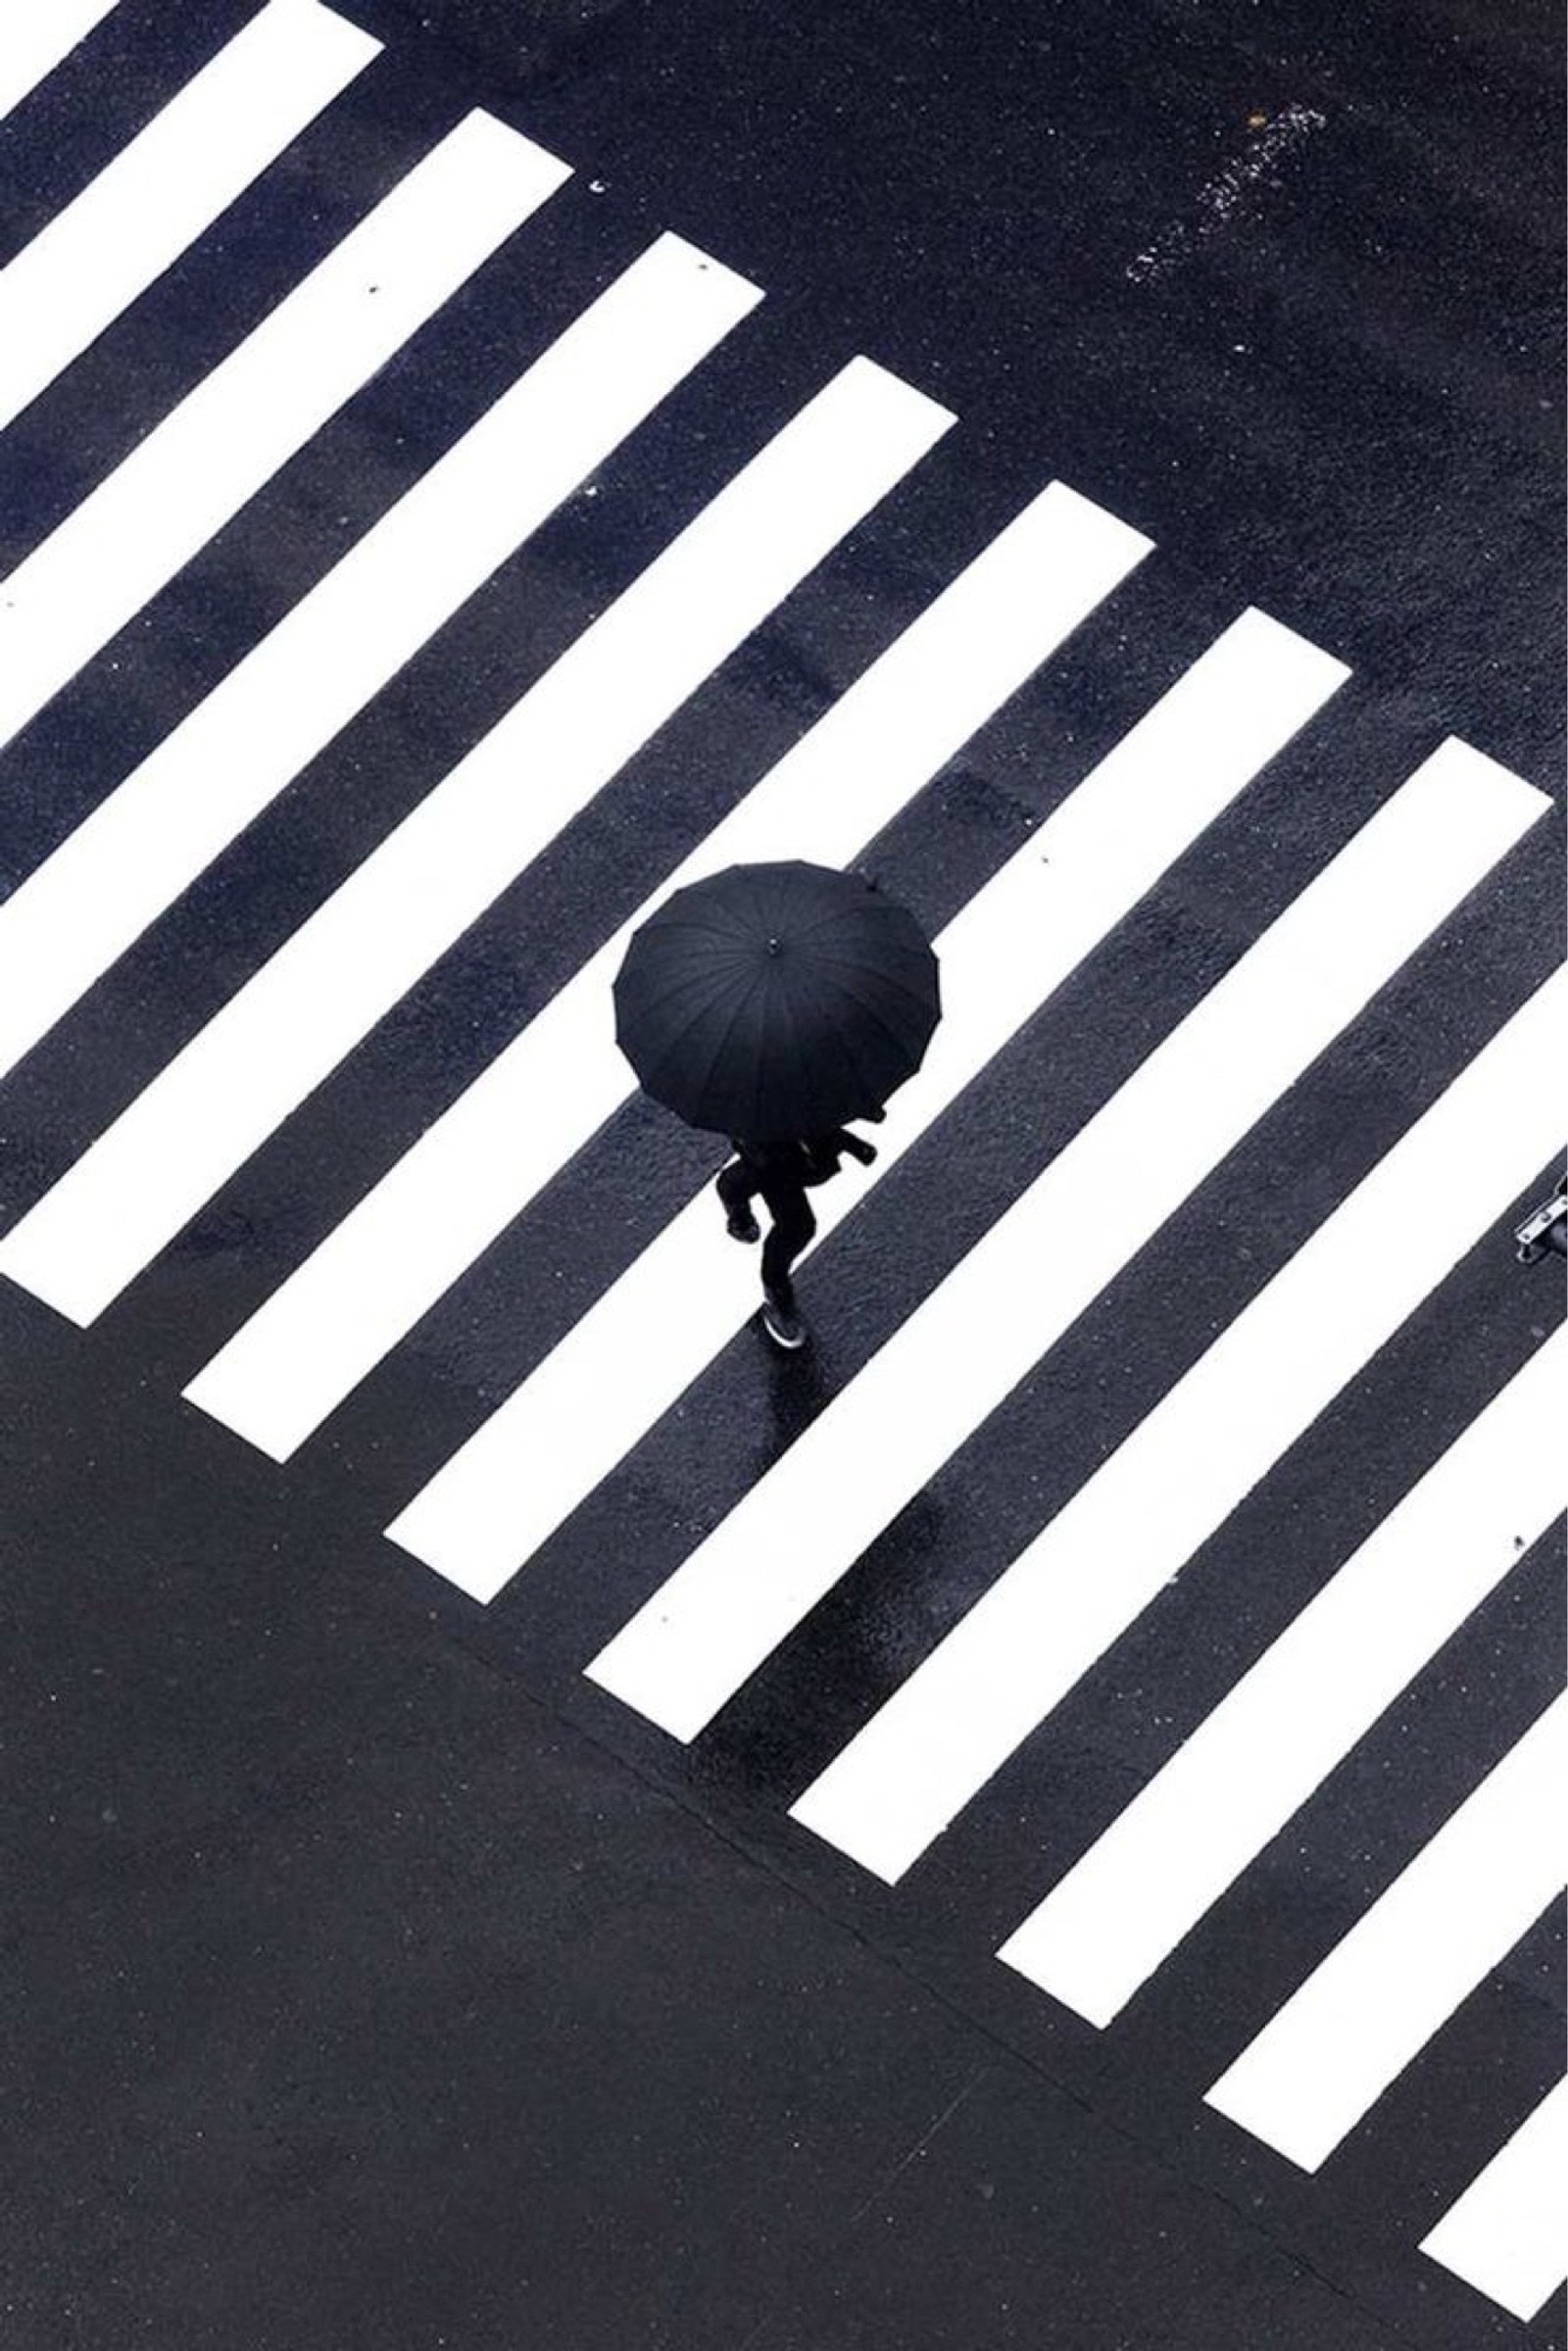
x,y
1278,283
373,1979
359,1999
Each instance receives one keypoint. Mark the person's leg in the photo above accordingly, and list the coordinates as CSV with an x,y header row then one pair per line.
x,y
794,1225
735,1187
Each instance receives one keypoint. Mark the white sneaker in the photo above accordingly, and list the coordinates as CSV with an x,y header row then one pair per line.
x,y
783,1325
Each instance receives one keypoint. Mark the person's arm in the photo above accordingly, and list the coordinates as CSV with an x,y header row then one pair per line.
x,y
856,1145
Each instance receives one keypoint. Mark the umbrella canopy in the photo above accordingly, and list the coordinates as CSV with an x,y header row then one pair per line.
x,y
771,1001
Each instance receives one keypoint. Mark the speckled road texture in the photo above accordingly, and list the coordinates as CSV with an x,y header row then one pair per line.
x,y
377,1978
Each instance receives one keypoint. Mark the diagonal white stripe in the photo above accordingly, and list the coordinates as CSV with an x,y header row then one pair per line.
x,y
1166,1489
35,38
344,640
227,438
1508,2235
438,870
1018,938
1297,1712
125,229
481,1163
973,1339
1443,1925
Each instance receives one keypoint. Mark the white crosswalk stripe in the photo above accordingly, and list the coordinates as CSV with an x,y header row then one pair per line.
x,y
1177,778
1239,1777
178,487
1508,2234
445,862
348,637
1170,1485
1017,940
1443,1925
478,1166
34,40
231,119
801,1526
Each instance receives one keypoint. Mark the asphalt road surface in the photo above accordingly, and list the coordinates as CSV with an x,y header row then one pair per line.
x,y
532,1819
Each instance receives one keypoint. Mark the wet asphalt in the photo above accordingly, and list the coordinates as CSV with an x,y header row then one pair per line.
x,y
372,1980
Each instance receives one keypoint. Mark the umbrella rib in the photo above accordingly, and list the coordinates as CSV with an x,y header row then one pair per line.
x,y
871,907
878,1018
664,922
800,1043
880,954
877,954
752,893
719,1050
704,983
844,971
844,1045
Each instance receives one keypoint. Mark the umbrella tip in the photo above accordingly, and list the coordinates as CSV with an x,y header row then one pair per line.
x,y
775,946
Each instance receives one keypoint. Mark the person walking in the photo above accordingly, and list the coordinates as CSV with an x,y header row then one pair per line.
x,y
772,1003
779,1174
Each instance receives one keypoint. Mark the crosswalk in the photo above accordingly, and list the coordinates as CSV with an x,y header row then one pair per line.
x,y
423,886
1450,1918
171,183
975,1337
240,425
1142,1514
476,1167
1504,2234
1440,837
1237,1780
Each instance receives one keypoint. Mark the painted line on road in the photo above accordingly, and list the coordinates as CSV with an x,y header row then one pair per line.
x,y
435,873
167,186
803,1524
1295,1714
35,39
195,471
1448,1920
349,636
1170,1485
1508,2234
653,1332
478,1166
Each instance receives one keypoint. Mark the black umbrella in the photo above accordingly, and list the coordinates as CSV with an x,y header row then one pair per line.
x,y
771,1000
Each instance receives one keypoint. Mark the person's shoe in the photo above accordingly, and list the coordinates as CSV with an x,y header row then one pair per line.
x,y
742,1225
783,1325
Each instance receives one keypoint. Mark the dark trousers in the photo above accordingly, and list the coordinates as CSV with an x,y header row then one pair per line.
x,y
793,1226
